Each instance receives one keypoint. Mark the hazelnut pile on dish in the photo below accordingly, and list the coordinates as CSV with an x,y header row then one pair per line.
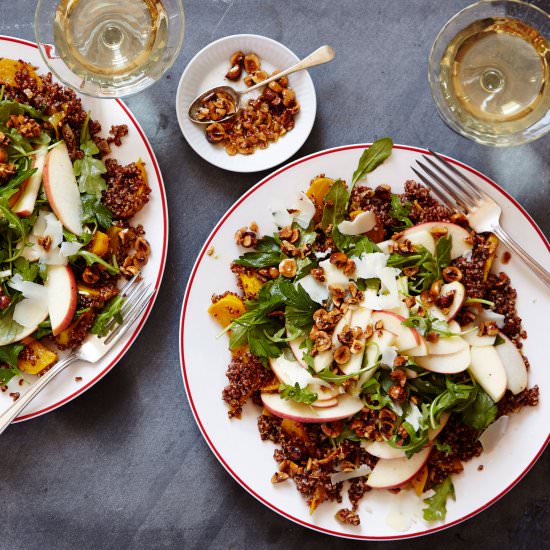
x,y
262,121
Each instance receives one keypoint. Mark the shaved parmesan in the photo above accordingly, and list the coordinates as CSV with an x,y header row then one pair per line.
x,y
305,211
413,417
488,315
493,434
368,265
317,291
361,224
5,273
28,289
362,471
405,509
334,276
389,354
30,312
70,249
281,218
54,230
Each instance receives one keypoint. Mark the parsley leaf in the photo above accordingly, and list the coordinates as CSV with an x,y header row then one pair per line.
x,y
111,311
480,412
268,253
372,157
427,324
92,259
437,504
336,202
6,374
89,170
27,270
353,245
400,211
298,394
94,211
10,353
443,252
299,306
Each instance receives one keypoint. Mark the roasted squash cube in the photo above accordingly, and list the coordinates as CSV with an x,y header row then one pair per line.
x,y
250,285
35,357
226,309
317,191
99,244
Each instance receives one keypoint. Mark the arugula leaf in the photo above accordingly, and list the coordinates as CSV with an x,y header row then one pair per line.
x,y
442,447
8,327
437,504
13,220
353,245
27,270
443,252
10,353
94,211
6,374
372,157
427,324
499,340
112,310
336,202
480,412
268,253
346,433
15,182
298,394
456,397
89,170
378,399
400,211
92,259
10,107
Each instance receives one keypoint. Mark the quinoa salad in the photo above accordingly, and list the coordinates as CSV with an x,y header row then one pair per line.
x,y
66,231
380,344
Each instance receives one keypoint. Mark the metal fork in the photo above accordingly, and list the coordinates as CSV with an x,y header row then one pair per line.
x,y
460,193
137,294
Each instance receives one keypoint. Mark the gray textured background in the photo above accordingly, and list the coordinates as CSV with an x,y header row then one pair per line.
x,y
124,466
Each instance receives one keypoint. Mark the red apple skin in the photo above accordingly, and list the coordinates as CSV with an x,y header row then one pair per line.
x,y
416,334
402,483
69,315
302,419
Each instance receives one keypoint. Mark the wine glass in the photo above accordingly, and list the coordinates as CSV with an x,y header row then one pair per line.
x,y
489,71
109,48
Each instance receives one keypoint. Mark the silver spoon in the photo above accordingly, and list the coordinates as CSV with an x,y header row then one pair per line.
x,y
322,55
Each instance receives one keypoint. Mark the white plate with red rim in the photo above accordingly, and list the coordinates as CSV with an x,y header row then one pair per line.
x,y
77,378
207,69
236,443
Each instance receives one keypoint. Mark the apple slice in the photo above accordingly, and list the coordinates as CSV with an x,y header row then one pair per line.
x,y
514,365
446,345
419,351
459,295
62,296
446,364
487,368
347,406
61,188
382,449
405,337
320,362
24,206
474,339
385,246
359,318
460,237
380,340
325,403
421,238
391,473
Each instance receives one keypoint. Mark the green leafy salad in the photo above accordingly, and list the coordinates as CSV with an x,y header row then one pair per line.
x,y
358,329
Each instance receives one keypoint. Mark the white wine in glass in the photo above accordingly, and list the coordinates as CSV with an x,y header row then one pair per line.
x,y
494,72
110,48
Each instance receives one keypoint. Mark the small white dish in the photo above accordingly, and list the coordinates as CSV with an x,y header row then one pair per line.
x,y
207,69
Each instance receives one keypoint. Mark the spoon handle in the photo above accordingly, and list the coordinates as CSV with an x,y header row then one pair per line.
x,y
324,54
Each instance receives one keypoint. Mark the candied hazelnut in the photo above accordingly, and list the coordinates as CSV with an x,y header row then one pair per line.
x,y
451,274
288,268
234,73
323,341
279,477
439,231
5,301
251,63
259,76
435,289
399,375
339,259
332,429
288,97
397,393
3,155
445,300
248,80
237,58
342,355
215,132
318,273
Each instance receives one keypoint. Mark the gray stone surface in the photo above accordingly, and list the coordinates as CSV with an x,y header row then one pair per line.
x,y
124,466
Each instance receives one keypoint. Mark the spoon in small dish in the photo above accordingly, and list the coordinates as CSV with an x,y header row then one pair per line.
x,y
324,54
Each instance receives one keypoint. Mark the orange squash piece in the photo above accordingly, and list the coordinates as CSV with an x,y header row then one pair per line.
x,y
99,244
318,188
250,285
35,357
226,309
418,482
10,67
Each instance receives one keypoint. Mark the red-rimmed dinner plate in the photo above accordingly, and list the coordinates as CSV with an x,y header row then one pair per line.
x,y
236,443
154,218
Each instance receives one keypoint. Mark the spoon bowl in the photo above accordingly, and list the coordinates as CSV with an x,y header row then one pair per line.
x,y
324,54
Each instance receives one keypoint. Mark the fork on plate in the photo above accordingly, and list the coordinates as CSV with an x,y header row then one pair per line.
x,y
93,348
460,193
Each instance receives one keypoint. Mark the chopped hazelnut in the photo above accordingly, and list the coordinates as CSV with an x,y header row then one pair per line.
x,y
288,268
251,63
342,355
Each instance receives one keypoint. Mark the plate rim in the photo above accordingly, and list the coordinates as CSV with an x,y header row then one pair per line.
x,y
197,419
132,338
179,93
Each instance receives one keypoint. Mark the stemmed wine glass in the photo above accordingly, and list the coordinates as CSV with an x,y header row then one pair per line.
x,y
109,48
